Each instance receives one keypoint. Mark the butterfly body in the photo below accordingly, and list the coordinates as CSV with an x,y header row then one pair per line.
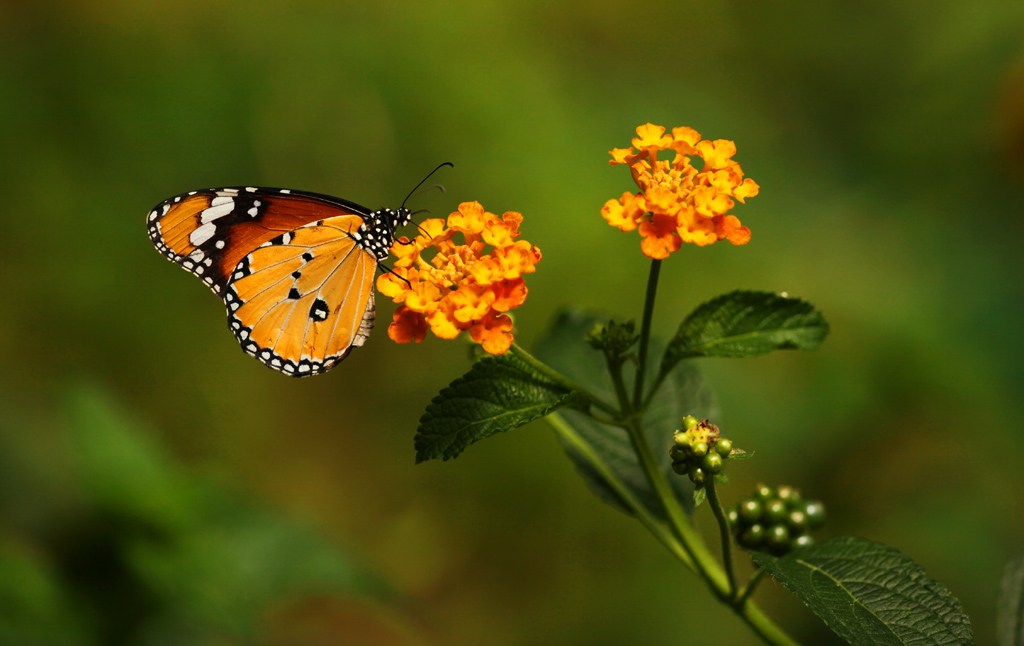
x,y
295,269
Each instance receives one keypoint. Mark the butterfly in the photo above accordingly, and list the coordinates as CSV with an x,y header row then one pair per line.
x,y
295,269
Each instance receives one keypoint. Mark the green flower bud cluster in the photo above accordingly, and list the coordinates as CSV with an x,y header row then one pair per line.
x,y
616,338
776,520
699,450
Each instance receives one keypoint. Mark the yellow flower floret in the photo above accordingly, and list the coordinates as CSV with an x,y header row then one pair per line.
x,y
676,202
460,288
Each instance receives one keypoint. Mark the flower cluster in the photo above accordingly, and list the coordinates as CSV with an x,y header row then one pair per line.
x,y
460,288
677,202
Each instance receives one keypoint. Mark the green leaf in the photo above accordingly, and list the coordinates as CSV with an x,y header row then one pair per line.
x,y
498,394
871,594
1010,618
686,393
746,324
699,496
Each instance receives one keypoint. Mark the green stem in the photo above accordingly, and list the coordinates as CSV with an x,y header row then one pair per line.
x,y
653,525
762,625
645,335
687,535
562,380
721,584
748,589
723,528
680,537
744,608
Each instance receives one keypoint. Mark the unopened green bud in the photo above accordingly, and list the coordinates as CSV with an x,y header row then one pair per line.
x,y
699,449
789,495
764,492
774,511
681,467
796,521
815,513
678,452
777,538
750,510
803,540
696,474
723,447
752,536
712,463
616,338
690,421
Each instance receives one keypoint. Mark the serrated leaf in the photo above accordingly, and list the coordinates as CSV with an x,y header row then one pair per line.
x,y
745,324
1010,617
686,393
871,594
740,454
498,394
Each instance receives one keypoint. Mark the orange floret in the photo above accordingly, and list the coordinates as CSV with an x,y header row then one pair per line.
x,y
676,202
462,287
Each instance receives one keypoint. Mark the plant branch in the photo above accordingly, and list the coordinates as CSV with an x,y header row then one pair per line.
x,y
653,525
748,589
645,336
726,535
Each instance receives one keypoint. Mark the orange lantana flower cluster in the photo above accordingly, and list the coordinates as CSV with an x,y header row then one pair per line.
x,y
678,203
460,288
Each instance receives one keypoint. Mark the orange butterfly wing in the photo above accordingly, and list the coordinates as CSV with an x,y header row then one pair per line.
x,y
301,301
292,267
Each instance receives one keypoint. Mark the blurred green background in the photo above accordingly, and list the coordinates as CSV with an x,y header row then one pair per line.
x,y
159,487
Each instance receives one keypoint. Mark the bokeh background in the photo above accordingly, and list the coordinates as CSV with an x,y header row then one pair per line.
x,y
159,487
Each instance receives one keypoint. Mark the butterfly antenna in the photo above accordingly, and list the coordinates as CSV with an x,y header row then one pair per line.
x,y
388,270
424,180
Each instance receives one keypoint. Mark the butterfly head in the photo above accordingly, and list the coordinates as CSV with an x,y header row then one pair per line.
x,y
381,234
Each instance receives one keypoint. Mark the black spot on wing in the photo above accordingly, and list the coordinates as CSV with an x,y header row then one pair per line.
x,y
319,310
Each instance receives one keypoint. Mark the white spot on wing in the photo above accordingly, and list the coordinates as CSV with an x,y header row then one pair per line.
x,y
219,210
219,244
202,234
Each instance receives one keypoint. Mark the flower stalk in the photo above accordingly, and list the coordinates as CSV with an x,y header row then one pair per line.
x,y
726,535
645,335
